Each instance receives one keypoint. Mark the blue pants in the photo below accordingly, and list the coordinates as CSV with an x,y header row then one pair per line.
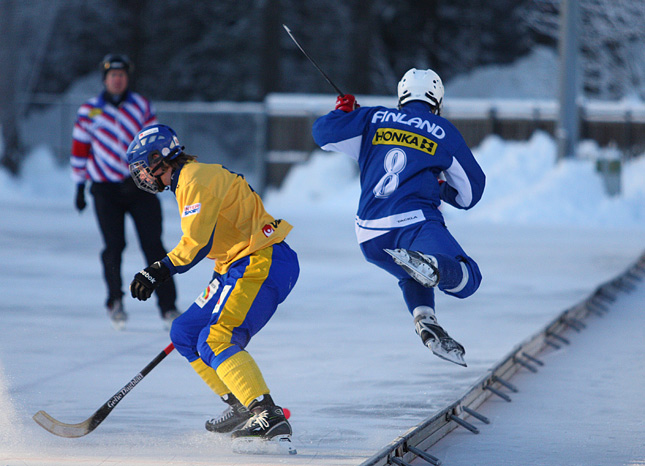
x,y
235,306
433,238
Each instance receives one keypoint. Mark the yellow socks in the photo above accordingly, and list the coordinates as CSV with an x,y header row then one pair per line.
x,y
209,376
242,376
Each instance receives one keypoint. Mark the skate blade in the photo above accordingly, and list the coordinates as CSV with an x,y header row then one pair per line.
x,y
453,356
118,325
399,257
279,445
403,260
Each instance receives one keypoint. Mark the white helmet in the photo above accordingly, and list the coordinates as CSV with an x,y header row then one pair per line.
x,y
422,85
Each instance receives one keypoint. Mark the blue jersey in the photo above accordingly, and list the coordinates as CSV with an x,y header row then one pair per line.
x,y
401,155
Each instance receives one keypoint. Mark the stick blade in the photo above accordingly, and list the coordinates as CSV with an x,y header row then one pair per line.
x,y
60,428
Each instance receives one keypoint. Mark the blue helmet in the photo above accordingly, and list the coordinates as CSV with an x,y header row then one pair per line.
x,y
148,150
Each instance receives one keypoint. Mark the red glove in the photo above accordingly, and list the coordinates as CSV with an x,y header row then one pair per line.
x,y
346,103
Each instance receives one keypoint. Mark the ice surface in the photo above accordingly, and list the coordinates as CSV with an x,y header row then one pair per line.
x,y
340,353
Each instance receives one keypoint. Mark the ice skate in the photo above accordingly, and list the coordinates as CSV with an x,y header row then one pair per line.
x,y
422,267
267,432
436,338
233,417
117,314
168,317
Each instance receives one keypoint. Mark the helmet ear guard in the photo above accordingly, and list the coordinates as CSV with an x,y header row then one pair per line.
x,y
423,85
156,161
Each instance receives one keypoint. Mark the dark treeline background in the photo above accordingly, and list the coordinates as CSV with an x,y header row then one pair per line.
x,y
236,50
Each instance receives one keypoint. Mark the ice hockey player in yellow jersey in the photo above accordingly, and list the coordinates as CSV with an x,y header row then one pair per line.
x,y
223,219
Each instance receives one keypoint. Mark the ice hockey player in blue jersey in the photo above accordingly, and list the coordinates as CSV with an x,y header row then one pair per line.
x,y
411,159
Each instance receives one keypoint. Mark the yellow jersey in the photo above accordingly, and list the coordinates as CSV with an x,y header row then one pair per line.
x,y
222,218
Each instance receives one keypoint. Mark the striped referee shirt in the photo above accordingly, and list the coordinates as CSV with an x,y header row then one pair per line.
x,y
102,134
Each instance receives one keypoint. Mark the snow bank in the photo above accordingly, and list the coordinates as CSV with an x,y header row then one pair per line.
x,y
11,436
525,184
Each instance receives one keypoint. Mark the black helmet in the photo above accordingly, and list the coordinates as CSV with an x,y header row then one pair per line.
x,y
115,61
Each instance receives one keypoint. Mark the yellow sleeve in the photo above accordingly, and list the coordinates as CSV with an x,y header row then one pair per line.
x,y
222,218
199,209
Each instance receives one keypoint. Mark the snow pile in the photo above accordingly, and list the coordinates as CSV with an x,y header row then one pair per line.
x,y
525,185
326,181
511,81
40,177
10,425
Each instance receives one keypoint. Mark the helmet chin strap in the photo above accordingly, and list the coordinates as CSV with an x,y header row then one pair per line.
x,y
154,169
159,163
160,185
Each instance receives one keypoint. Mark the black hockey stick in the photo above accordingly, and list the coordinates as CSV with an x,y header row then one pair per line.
x,y
312,61
83,428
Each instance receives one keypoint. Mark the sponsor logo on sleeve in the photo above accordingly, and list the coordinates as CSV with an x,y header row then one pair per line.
x,y
269,228
191,209
95,112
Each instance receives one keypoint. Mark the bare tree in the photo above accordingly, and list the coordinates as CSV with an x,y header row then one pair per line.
x,y
613,47
8,84
21,59
611,43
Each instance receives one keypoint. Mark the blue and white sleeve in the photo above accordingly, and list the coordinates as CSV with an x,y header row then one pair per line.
x,y
465,180
341,132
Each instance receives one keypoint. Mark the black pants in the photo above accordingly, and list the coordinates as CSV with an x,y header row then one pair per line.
x,y
111,202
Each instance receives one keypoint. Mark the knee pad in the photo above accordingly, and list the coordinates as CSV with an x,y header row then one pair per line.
x,y
469,283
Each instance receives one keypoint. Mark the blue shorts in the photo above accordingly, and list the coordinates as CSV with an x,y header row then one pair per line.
x,y
433,238
235,306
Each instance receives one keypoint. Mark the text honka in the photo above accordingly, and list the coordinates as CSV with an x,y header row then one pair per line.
x,y
390,136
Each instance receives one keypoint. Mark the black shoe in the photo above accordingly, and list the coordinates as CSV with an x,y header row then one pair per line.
x,y
268,422
233,417
117,314
168,317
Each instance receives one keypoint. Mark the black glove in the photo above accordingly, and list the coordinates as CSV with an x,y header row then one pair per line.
x,y
80,197
146,281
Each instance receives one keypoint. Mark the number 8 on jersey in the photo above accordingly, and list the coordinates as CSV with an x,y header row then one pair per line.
x,y
394,164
